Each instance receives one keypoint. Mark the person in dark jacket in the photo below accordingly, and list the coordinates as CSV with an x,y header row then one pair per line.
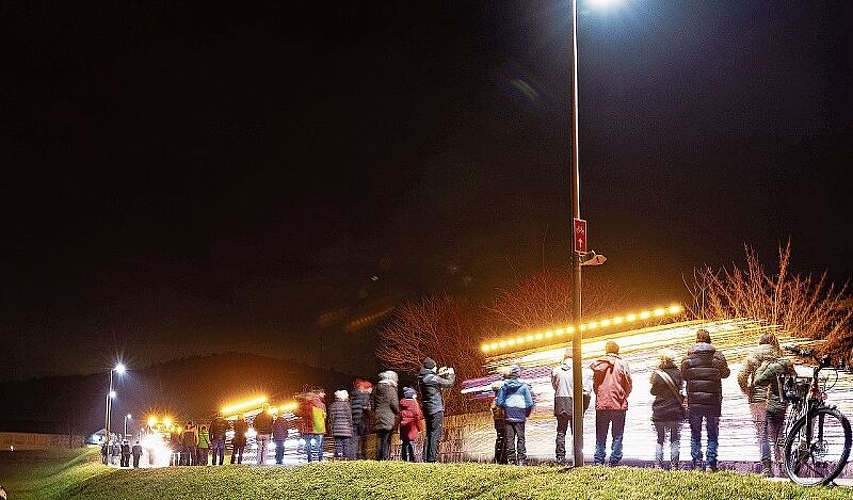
x,y
703,369
238,442
136,451
386,407
218,428
758,381
359,401
432,380
612,384
279,436
340,424
515,398
125,454
263,427
667,407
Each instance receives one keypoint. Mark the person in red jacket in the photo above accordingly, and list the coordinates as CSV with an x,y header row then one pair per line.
x,y
611,382
411,423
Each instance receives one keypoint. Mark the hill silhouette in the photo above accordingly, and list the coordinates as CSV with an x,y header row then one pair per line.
x,y
194,387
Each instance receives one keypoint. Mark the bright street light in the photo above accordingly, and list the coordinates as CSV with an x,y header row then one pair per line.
x,y
126,418
111,394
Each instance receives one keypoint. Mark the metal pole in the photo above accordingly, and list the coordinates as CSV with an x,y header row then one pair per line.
x,y
577,358
109,408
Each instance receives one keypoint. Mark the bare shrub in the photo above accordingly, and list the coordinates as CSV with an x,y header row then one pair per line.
x,y
805,306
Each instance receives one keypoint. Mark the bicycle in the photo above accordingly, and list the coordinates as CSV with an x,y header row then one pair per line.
x,y
817,442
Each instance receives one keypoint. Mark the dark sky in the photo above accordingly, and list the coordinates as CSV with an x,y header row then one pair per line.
x,y
195,177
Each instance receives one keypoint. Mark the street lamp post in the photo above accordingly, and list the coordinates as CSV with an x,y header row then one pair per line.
x,y
577,358
126,418
119,368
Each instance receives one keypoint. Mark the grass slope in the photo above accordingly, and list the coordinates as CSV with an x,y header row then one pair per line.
x,y
79,476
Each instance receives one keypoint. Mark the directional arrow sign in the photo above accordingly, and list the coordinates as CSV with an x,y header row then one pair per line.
x,y
580,235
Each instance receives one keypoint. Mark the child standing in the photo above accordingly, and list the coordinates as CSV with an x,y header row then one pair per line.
x,y
340,424
500,425
411,422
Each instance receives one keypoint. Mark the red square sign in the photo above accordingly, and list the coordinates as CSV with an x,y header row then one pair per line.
x,y
580,235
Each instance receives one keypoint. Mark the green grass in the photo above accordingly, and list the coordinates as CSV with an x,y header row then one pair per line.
x,y
78,475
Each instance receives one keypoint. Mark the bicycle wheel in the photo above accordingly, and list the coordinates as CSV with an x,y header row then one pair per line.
x,y
817,447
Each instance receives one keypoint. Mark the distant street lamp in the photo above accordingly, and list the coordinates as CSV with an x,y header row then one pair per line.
x,y
126,418
120,369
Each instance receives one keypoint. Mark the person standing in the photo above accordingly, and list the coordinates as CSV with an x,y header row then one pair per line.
x,y
516,400
386,407
703,369
411,423
218,428
612,384
189,438
263,428
432,381
279,436
340,424
758,381
667,407
136,451
238,442
359,401
125,454
499,419
312,422
562,382
203,445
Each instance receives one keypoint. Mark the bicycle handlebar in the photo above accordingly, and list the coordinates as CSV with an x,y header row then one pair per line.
x,y
824,361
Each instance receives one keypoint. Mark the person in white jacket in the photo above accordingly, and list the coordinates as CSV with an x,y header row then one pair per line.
x,y
562,382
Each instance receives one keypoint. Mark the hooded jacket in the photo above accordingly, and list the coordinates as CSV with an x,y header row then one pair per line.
x,y
411,419
562,381
767,381
386,404
312,414
764,353
340,418
515,398
667,406
611,382
431,384
703,369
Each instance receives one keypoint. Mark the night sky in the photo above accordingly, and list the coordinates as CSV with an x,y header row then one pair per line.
x,y
196,177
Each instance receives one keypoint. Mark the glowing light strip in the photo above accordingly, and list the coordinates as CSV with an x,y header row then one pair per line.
x,y
557,333
246,404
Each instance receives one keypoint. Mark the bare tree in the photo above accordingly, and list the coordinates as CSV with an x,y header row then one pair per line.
x,y
440,327
545,299
804,305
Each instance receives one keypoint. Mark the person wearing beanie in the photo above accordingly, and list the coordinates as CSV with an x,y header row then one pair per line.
x,y
386,407
340,424
411,423
516,400
758,381
612,384
432,381
279,436
562,381
703,369
311,411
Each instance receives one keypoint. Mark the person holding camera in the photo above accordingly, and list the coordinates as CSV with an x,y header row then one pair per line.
x,y
432,380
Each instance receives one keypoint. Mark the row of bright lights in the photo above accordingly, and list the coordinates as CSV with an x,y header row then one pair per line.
x,y
523,340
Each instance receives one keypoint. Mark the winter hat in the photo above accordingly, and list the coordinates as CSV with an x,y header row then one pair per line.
x,y
409,393
389,375
702,335
515,371
341,395
429,363
611,347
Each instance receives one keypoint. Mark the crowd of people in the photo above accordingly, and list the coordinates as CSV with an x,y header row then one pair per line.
x,y
689,391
